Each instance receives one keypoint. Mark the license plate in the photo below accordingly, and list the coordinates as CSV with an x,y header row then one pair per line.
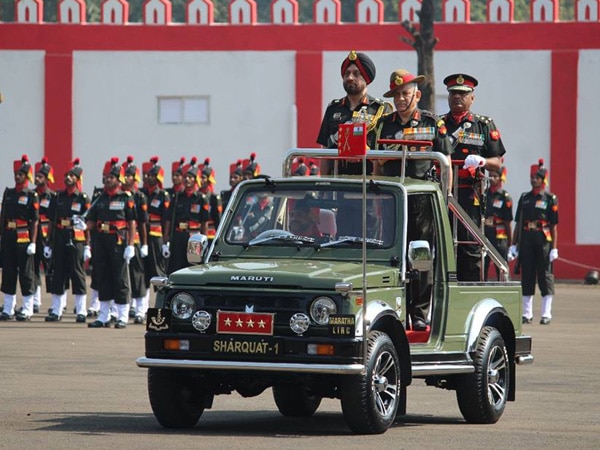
x,y
246,346
235,322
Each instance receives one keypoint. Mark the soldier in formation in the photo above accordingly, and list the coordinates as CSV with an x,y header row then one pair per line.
x,y
139,289
498,217
44,177
188,214
68,247
113,217
19,227
158,205
535,243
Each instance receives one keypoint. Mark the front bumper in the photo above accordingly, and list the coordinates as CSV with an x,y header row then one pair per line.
x,y
332,369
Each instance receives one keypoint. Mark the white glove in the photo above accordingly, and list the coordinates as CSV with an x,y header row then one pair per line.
x,y
512,252
144,251
47,252
79,223
128,253
87,253
165,250
553,254
31,249
474,161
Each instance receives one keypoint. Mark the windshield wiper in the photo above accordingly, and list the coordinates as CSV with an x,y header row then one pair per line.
x,y
352,240
286,238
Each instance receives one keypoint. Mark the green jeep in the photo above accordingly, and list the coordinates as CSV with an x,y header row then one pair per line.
x,y
303,293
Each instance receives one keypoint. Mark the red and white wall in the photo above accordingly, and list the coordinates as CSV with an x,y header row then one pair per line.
x,y
89,91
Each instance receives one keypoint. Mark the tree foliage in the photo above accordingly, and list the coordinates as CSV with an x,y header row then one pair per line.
x,y
305,9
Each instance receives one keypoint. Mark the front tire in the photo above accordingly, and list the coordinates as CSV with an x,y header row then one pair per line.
x,y
295,401
370,402
176,398
482,396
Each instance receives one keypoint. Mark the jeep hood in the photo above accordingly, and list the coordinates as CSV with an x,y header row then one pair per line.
x,y
284,273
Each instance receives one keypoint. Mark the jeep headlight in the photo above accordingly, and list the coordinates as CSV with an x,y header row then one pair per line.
x,y
201,320
321,308
299,323
183,305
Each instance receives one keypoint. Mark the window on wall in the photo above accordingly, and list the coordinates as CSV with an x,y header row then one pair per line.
x,y
182,110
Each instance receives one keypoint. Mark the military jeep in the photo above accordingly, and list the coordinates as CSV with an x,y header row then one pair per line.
x,y
324,312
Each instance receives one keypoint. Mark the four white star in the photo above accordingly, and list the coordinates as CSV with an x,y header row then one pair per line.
x,y
239,323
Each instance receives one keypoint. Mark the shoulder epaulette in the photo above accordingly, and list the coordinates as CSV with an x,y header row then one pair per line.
x,y
428,113
335,101
484,119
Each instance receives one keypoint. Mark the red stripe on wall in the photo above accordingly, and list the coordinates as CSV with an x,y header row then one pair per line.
x,y
384,37
58,130
563,146
309,96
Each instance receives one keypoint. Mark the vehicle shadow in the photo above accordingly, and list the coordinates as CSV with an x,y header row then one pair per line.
x,y
216,423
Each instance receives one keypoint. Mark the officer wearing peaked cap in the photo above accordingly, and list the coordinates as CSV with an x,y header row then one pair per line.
x,y
409,122
358,71
68,246
18,227
477,147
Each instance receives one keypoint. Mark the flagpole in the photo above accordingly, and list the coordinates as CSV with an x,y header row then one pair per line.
x,y
352,143
364,257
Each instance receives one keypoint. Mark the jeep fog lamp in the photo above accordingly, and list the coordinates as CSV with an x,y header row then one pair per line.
x,y
183,305
299,323
321,309
201,320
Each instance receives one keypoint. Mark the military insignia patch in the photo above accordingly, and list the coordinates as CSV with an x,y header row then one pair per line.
x,y
495,135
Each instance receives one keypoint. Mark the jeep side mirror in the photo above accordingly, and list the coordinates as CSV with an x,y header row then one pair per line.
x,y
196,247
419,256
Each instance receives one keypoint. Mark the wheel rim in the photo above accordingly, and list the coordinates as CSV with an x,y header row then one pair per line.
x,y
496,378
384,383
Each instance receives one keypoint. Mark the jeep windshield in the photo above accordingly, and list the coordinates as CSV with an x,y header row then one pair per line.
x,y
329,217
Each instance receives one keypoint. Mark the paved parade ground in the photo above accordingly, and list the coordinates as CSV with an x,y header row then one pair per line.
x,y
64,386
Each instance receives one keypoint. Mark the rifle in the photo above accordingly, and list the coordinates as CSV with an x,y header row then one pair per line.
x,y
517,237
50,267
172,224
2,221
